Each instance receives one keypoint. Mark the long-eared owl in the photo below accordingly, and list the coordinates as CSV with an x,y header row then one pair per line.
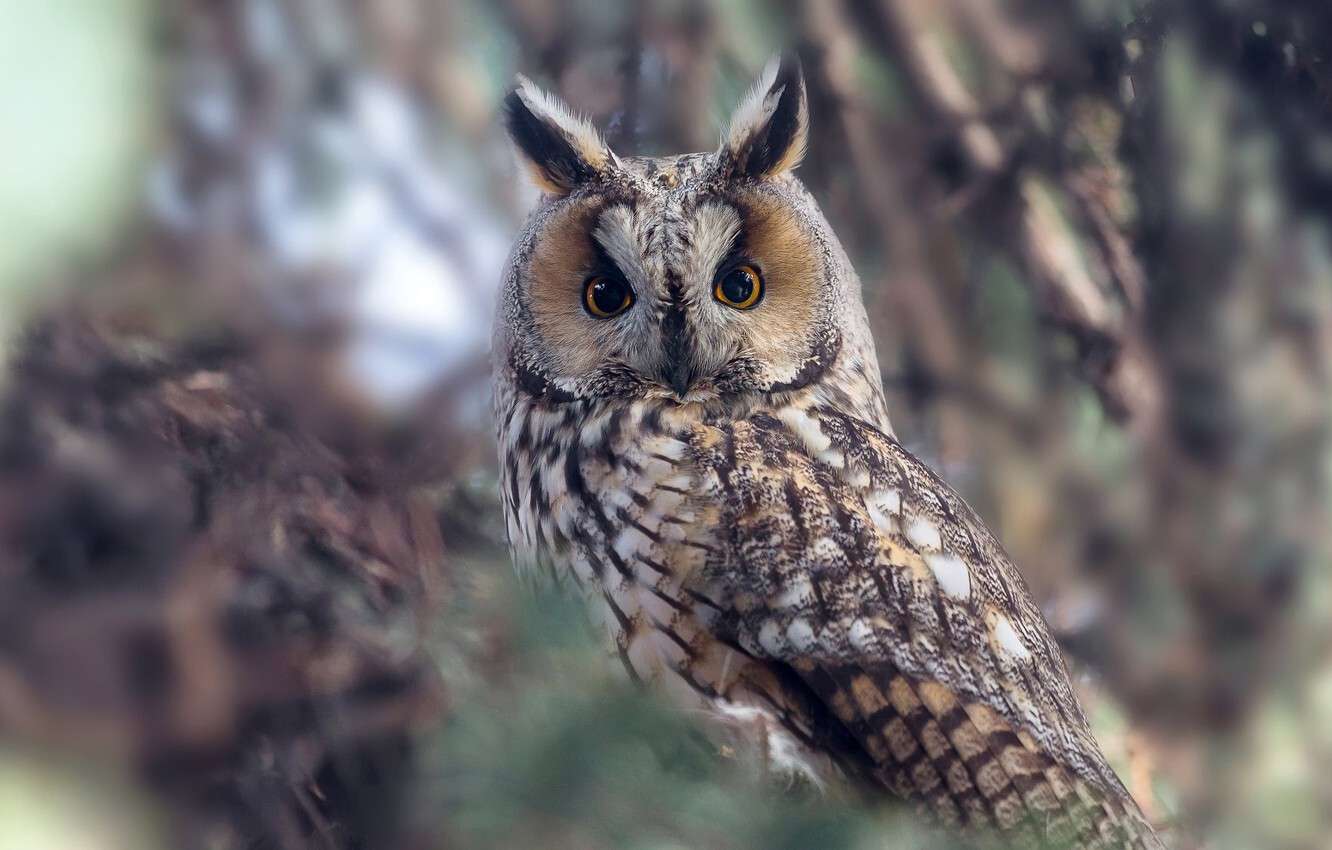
x,y
693,435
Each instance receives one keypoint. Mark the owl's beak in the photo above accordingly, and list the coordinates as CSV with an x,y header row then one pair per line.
x,y
681,375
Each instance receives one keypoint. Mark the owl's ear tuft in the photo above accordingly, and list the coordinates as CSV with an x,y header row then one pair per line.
x,y
559,149
769,130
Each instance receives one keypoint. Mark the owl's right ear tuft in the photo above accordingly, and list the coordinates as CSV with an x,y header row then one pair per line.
x,y
560,150
769,130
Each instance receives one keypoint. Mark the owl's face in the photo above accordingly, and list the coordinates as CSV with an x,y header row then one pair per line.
x,y
694,278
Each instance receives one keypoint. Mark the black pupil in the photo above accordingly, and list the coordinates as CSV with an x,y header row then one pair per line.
x,y
608,295
737,286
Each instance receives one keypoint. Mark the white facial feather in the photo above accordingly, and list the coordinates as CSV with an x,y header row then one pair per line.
x,y
615,234
714,229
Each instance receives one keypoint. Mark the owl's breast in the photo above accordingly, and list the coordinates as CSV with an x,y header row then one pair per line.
x,y
613,500
608,499
604,496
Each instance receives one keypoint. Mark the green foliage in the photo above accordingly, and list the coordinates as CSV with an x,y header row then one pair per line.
x,y
50,803
550,747
75,95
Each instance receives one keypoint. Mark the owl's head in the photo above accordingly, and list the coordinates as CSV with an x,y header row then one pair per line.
x,y
696,278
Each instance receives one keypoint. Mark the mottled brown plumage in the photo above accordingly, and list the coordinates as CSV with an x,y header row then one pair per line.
x,y
722,484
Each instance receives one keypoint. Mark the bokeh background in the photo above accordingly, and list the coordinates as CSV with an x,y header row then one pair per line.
x,y
253,591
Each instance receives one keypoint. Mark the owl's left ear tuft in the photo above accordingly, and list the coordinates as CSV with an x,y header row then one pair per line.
x,y
769,130
560,150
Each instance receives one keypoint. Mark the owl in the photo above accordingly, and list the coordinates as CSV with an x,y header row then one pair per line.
x,y
693,436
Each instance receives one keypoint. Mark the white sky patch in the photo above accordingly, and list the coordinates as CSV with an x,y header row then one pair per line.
x,y
357,196
413,319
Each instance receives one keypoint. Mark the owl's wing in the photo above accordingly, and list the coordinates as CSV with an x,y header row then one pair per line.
x,y
842,556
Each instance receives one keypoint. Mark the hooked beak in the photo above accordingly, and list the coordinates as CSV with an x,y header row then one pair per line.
x,y
680,376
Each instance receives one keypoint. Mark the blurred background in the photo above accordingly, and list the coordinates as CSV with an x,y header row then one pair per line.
x,y
253,592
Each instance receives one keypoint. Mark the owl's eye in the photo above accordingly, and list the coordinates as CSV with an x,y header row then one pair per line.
x,y
741,288
605,297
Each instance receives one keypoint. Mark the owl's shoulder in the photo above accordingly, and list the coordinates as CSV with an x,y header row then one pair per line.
x,y
837,542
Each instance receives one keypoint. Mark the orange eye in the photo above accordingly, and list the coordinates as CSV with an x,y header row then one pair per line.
x,y
606,297
741,288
